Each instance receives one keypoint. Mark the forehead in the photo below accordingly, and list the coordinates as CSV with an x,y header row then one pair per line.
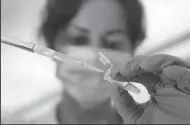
x,y
100,15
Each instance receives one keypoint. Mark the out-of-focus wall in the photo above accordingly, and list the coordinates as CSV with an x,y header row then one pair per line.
x,y
167,20
27,77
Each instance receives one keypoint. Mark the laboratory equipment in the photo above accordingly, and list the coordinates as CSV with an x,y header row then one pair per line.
x,y
125,85
48,52
31,47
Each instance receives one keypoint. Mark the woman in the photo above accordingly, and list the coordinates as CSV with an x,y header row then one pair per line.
x,y
82,28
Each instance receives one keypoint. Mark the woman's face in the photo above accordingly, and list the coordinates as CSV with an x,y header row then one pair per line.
x,y
99,26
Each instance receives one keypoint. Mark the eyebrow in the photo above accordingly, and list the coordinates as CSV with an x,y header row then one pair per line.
x,y
81,29
114,32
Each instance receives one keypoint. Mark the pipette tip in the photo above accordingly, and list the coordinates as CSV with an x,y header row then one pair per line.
x,y
132,88
84,65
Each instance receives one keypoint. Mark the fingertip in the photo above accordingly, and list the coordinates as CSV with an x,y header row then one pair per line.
x,y
151,63
160,61
114,71
124,103
177,73
121,96
178,77
114,90
133,67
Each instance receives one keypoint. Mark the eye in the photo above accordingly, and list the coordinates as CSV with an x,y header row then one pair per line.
x,y
79,40
112,45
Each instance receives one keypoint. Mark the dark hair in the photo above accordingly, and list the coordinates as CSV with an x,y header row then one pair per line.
x,y
58,13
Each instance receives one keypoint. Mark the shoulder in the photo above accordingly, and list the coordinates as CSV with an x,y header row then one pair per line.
x,y
47,118
13,120
40,112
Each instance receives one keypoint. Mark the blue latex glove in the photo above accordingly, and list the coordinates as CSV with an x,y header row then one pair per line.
x,y
167,79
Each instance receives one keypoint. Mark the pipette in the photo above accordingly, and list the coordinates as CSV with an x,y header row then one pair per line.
x,y
31,47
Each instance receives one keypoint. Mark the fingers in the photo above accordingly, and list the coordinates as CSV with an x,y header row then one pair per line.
x,y
133,67
125,104
135,73
147,66
123,101
160,61
177,76
175,72
153,63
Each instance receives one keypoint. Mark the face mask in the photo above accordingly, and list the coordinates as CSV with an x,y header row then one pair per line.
x,y
84,83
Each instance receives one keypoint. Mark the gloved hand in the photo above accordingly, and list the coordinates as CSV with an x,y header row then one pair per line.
x,y
167,79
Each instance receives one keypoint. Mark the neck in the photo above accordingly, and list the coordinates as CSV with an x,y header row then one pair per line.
x,y
85,104
73,111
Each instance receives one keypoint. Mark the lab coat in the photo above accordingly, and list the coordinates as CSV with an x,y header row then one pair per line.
x,y
72,113
170,107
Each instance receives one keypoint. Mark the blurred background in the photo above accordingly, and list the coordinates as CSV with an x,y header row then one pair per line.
x,y
27,80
